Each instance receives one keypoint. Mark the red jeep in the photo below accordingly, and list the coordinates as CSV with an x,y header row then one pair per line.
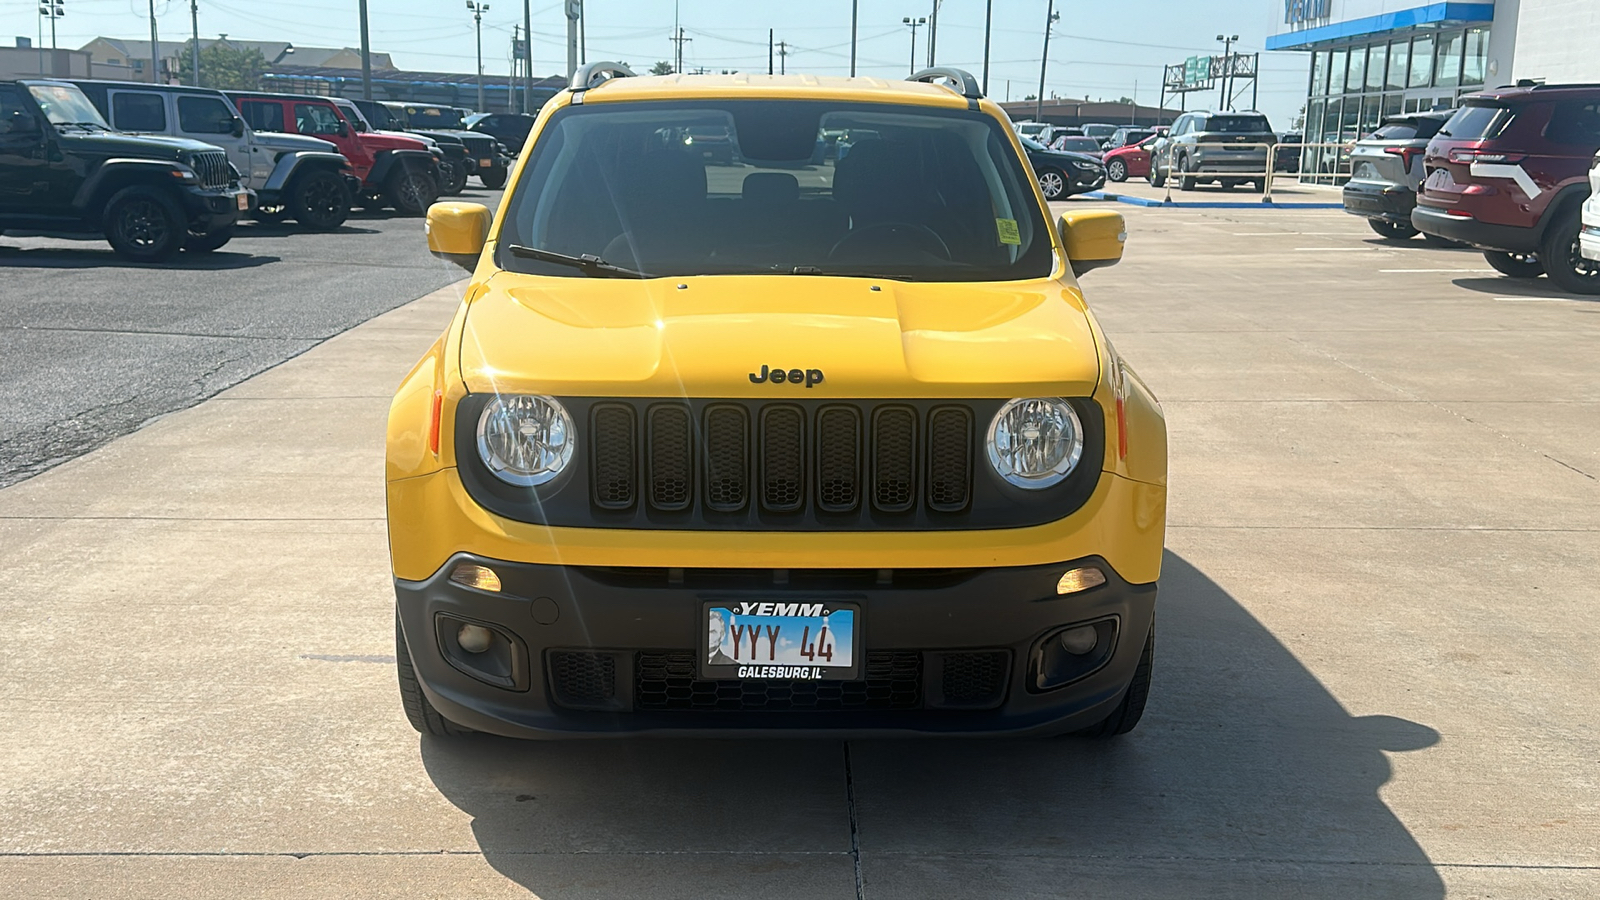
x,y
1509,173
395,170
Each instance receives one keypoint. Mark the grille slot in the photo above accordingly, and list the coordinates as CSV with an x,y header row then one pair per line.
x,y
783,450
212,167
838,459
580,680
727,452
669,680
615,466
894,458
671,460
949,458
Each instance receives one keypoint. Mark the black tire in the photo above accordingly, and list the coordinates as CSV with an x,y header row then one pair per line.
x,y
271,215
1127,714
423,717
144,224
1117,170
1053,184
319,200
452,177
1433,240
1394,231
494,179
411,192
1259,186
1563,263
1156,178
205,243
1516,265
1186,182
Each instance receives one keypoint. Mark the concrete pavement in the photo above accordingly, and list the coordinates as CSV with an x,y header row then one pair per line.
x,y
1374,677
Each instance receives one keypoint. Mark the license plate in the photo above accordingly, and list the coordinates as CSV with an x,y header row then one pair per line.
x,y
244,202
787,641
486,163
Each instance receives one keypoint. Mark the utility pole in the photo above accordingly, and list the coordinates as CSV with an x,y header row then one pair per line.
x,y
1227,46
527,56
583,35
194,49
511,81
933,31
988,20
478,9
854,18
770,69
155,47
783,61
366,55
53,9
1051,17
913,23
574,12
679,40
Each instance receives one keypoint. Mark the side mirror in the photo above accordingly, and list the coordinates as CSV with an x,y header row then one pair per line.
x,y
1094,238
23,124
458,231
236,126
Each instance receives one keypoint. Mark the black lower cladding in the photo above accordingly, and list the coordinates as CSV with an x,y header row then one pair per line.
x,y
783,465
614,650
1392,204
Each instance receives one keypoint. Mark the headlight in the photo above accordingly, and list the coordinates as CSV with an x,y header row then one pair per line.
x,y
525,440
1035,443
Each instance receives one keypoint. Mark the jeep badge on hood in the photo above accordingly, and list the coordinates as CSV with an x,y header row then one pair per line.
x,y
811,377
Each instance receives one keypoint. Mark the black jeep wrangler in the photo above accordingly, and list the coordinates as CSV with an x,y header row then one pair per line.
x,y
64,172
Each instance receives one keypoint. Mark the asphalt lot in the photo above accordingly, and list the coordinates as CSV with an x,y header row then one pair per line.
x,y
1375,676
91,347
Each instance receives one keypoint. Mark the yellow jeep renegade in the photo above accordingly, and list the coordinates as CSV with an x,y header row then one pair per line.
x,y
773,405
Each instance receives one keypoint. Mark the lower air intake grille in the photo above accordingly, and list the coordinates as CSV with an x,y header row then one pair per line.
x,y
973,680
670,680
580,680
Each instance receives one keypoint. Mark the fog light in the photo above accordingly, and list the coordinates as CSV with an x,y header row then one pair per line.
x,y
476,638
1082,579
474,576
1076,641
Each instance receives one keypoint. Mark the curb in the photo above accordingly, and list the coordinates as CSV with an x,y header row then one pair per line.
x,y
1206,204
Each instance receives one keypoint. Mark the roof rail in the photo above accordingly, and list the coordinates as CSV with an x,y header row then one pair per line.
x,y
595,74
958,80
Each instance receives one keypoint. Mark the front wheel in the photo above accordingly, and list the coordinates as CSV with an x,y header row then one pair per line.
x,y
1516,265
452,177
1157,179
1117,170
1053,184
145,225
1127,714
1394,231
411,192
494,179
1562,258
211,240
320,201
419,712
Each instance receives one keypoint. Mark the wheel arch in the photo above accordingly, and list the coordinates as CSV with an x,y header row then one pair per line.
x,y
116,174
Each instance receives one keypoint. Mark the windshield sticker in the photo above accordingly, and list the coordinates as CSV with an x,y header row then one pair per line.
x,y
1008,231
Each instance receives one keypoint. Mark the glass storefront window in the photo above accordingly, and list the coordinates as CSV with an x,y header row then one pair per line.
x,y
1399,58
1477,51
1376,59
1358,70
1350,119
1336,63
1319,73
1421,62
1308,155
1391,105
1371,109
1447,62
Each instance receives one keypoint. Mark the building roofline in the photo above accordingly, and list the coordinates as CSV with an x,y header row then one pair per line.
x,y
1432,14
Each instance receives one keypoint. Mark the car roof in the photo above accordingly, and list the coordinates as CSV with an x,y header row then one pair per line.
x,y
145,85
269,95
1540,91
743,85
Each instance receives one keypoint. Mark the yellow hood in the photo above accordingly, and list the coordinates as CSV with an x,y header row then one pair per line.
x,y
705,336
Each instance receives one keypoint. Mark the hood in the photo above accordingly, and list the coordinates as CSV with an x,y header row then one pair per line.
x,y
392,140
439,137
275,140
121,143
653,338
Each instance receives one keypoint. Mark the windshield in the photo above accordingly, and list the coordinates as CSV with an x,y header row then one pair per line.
x,y
353,113
1237,124
1079,144
1476,121
916,193
64,104
432,117
1099,131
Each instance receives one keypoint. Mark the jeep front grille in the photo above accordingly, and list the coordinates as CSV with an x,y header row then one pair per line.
x,y
212,167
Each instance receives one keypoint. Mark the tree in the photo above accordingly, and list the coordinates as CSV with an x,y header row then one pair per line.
x,y
1030,97
1126,100
661,68
223,67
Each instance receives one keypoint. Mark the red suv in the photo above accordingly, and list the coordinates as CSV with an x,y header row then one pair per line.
x,y
1508,174
395,170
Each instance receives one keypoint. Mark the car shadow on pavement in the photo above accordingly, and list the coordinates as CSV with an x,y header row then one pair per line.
x,y
1246,778
64,258
1532,288
289,229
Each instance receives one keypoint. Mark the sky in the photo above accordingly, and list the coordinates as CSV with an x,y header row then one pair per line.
x,y
1102,49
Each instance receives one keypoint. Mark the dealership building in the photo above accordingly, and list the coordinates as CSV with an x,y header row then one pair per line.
x,y
1372,58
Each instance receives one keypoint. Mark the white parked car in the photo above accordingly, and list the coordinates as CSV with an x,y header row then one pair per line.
x,y
1589,235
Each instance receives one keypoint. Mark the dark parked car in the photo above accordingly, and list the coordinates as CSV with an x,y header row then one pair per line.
x,y
1386,171
1088,146
510,129
1288,156
1062,173
63,171
492,160
1124,137
1508,174
1228,148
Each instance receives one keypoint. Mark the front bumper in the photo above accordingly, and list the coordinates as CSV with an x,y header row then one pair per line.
x,y
1589,233
1470,231
1083,181
1390,203
953,651
212,209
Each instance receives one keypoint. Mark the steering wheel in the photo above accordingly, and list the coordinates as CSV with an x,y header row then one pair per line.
x,y
925,238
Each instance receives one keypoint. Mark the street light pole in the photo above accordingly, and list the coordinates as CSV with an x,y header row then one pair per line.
x,y
1227,46
907,20
366,55
1051,17
155,47
527,56
478,9
854,18
988,20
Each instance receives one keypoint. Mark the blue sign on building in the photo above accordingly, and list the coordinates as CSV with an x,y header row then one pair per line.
x,y
1296,12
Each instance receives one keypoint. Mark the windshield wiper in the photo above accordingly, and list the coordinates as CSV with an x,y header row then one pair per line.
x,y
813,270
588,264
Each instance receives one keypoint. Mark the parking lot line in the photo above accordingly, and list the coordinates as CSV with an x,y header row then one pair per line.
x,y
1420,271
1537,299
